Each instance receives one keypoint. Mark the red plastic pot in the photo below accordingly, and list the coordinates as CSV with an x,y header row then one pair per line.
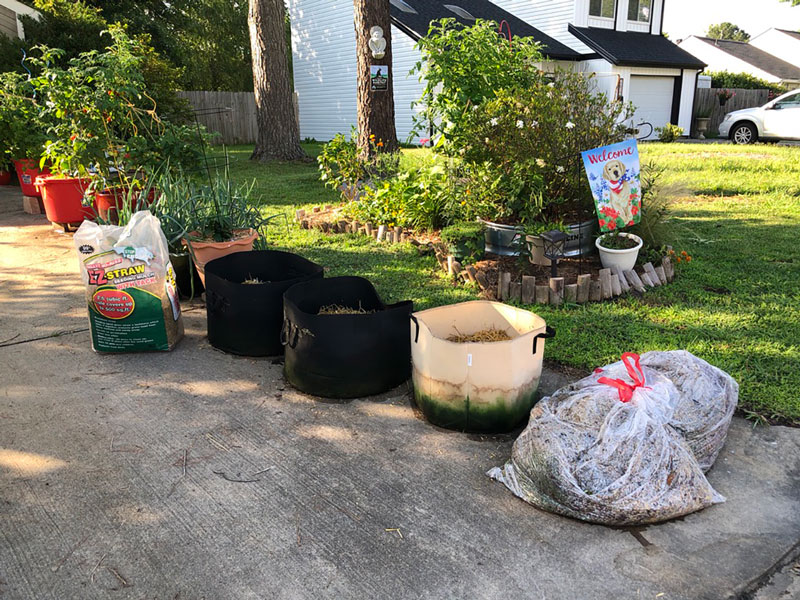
x,y
27,172
110,201
5,177
62,197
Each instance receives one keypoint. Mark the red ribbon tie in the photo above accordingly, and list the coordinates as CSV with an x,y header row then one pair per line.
x,y
625,389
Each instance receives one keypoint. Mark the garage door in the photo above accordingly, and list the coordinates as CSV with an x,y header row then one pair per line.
x,y
652,97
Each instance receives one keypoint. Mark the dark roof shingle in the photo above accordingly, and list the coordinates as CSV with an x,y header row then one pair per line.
x,y
756,57
633,48
416,24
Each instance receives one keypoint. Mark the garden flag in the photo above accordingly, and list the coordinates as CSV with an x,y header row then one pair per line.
x,y
613,173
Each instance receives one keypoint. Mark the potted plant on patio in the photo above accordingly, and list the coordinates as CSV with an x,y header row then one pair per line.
x,y
22,131
221,220
5,173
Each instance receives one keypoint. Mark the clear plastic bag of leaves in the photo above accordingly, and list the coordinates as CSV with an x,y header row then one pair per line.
x,y
617,447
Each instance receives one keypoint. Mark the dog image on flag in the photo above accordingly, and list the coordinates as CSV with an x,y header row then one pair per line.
x,y
619,189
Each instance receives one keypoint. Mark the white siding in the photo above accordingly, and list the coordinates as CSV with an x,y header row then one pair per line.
x,y
658,9
548,16
719,60
779,44
324,61
8,22
605,78
622,15
407,88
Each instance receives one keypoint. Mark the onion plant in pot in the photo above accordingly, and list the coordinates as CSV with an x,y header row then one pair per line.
x,y
222,220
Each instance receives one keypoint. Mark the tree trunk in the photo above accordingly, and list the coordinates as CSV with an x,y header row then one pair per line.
x,y
278,131
375,108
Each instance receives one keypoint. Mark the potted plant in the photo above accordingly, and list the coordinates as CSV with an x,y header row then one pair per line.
x,y
702,120
221,220
619,249
724,95
172,205
22,131
465,241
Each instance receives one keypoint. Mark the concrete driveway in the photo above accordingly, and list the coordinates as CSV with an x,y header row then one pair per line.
x,y
196,474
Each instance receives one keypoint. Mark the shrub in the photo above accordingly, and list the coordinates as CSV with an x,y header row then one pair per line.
x,y
97,113
422,198
726,79
465,241
465,66
522,148
669,133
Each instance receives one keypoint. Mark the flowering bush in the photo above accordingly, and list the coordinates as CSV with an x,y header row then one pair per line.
x,y
515,128
531,139
343,168
463,67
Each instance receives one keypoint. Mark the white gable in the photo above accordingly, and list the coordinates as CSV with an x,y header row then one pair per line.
x,y
779,43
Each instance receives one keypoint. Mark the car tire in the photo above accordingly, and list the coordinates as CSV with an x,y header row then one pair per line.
x,y
744,133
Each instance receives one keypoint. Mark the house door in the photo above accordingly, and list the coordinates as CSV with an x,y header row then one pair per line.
x,y
652,97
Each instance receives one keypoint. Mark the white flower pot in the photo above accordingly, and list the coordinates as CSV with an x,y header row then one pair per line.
x,y
624,259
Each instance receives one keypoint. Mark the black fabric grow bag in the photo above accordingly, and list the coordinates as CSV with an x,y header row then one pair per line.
x,y
246,318
349,355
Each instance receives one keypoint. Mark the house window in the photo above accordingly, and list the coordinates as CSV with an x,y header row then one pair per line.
x,y
601,8
639,10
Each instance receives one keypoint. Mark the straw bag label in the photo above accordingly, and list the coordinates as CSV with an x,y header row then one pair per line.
x,y
469,360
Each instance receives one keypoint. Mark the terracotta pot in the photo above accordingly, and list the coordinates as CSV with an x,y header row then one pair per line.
x,y
5,177
63,199
204,252
27,172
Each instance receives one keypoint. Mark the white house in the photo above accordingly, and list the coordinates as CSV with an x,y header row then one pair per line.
x,y
618,40
10,25
752,58
781,43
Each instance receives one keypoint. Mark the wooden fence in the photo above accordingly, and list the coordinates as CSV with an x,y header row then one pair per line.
x,y
706,98
231,115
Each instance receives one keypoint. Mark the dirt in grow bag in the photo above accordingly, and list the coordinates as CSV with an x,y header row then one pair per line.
x,y
485,335
336,309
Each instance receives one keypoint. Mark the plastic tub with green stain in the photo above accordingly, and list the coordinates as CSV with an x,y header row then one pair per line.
x,y
477,386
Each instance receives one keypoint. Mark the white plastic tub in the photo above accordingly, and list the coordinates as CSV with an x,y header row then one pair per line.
x,y
481,387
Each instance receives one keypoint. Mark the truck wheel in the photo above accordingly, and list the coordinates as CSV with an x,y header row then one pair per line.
x,y
744,133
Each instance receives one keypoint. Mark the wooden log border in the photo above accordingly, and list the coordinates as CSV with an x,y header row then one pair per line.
x,y
608,285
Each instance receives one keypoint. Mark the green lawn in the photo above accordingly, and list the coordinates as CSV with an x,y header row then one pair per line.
x,y
736,305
